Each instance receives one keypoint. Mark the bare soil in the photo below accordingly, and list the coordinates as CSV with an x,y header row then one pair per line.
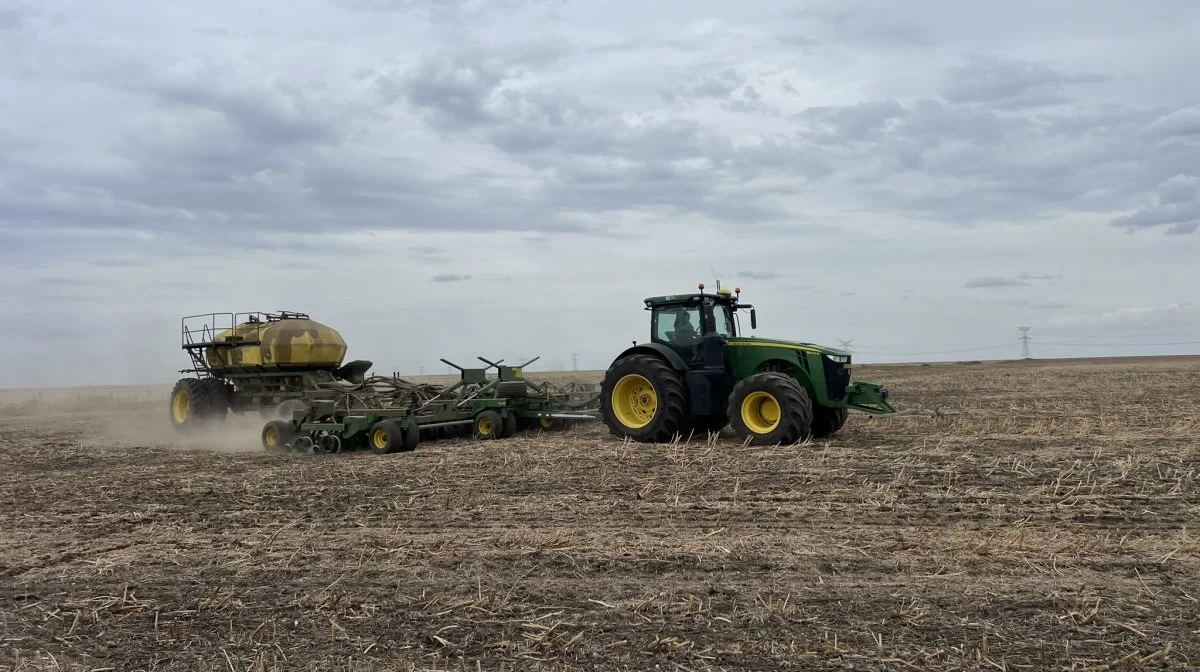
x,y
1039,515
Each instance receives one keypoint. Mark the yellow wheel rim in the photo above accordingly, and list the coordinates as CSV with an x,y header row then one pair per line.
x,y
380,439
272,436
485,426
634,401
547,423
760,412
179,408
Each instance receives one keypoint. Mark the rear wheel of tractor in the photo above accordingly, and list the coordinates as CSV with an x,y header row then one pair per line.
x,y
644,399
488,425
189,404
770,408
276,436
827,421
386,437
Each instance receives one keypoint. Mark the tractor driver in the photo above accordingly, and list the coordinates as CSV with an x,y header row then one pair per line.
x,y
685,332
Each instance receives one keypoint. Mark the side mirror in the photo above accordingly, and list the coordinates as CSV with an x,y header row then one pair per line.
x,y
753,319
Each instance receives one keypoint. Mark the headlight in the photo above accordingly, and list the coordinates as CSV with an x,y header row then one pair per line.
x,y
840,359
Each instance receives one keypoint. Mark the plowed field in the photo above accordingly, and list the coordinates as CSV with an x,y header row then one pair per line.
x,y
1039,516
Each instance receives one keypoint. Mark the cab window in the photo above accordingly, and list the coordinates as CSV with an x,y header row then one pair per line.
x,y
721,322
677,325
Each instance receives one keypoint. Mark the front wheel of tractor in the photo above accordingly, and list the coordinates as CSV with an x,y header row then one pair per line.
x,y
827,421
770,408
644,399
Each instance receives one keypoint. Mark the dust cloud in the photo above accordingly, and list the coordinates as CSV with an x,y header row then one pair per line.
x,y
150,427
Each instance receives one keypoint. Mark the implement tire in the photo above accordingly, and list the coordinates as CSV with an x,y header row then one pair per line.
x,y
386,437
488,425
644,399
190,404
277,436
770,408
827,421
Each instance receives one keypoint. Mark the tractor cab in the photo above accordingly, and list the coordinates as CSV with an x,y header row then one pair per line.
x,y
696,326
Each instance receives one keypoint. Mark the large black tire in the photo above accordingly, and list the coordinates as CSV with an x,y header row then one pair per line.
x,y
770,408
644,399
220,398
827,421
190,404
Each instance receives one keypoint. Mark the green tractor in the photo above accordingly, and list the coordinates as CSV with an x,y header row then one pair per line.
x,y
697,374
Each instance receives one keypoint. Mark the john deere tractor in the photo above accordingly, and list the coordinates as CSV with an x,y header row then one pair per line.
x,y
698,374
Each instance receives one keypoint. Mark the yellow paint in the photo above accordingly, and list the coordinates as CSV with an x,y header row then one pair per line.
x,y
760,412
272,436
517,372
786,346
179,407
634,401
485,426
546,423
724,292
291,341
380,439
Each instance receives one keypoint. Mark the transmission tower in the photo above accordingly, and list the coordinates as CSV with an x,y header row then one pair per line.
x,y
846,345
1025,354
575,361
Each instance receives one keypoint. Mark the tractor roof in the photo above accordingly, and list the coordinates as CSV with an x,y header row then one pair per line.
x,y
721,295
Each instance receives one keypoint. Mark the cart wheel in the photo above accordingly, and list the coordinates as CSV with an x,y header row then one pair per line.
x,y
276,435
488,425
386,437
412,436
510,426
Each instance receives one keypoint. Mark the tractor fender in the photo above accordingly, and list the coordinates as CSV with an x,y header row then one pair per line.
x,y
656,350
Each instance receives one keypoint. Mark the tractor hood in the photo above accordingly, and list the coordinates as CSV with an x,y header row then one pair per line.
x,y
750,341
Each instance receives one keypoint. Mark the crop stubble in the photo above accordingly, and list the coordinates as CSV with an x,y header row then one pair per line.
x,y
1036,518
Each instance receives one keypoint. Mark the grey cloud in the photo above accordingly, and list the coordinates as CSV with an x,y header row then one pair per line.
x,y
450,277
1176,206
1049,305
993,281
758,275
968,164
1180,123
1020,280
1010,83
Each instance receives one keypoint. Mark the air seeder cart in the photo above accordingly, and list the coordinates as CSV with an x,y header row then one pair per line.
x,y
265,362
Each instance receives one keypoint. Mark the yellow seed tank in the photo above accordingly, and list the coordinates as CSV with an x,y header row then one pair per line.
x,y
289,343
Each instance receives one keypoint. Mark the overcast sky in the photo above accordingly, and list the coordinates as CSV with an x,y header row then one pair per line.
x,y
512,177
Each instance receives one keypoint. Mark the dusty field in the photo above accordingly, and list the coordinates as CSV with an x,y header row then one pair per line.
x,y
1042,517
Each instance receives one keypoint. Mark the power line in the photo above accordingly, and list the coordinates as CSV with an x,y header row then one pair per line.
x,y
1121,345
